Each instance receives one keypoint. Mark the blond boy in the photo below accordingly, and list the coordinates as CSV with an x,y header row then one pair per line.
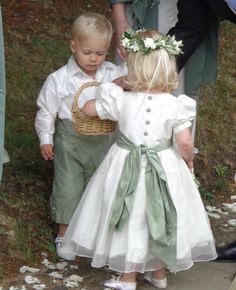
x,y
75,156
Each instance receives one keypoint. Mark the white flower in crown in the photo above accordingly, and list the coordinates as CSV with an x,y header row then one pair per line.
x,y
178,45
134,47
149,43
133,43
125,42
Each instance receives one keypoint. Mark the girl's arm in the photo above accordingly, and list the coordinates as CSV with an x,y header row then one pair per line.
x,y
186,146
89,108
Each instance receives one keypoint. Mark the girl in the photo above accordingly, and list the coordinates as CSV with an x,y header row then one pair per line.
x,y
141,211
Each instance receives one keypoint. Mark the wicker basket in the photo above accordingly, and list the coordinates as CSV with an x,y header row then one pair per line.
x,y
89,125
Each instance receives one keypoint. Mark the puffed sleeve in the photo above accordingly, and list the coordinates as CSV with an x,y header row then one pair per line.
x,y
109,101
186,112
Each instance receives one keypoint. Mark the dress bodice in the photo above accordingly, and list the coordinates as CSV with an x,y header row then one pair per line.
x,y
148,119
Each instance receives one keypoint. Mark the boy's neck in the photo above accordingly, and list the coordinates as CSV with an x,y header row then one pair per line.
x,y
92,74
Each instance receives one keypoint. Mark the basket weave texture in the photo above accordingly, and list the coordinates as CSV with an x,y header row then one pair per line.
x,y
89,125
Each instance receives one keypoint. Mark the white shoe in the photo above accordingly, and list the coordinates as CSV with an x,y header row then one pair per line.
x,y
162,283
62,252
120,285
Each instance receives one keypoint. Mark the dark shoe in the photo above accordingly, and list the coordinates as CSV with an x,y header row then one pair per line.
x,y
227,253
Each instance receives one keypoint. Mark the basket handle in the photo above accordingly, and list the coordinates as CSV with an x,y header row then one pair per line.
x,y
84,86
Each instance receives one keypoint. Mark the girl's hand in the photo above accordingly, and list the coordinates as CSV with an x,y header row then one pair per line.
x,y
120,82
47,151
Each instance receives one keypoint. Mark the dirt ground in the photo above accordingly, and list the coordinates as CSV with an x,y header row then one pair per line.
x,y
22,19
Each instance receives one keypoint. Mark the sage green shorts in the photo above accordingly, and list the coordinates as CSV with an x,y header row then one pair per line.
x,y
76,159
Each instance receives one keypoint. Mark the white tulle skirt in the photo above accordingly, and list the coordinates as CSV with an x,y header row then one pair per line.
x,y
89,234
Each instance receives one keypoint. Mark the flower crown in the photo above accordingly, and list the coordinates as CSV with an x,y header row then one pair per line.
x,y
134,43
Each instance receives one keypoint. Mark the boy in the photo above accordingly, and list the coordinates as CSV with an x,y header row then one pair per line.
x,y
75,156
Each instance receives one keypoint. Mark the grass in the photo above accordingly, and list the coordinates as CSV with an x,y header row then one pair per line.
x,y
32,52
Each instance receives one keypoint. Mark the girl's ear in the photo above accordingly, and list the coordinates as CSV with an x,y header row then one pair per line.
x,y
72,46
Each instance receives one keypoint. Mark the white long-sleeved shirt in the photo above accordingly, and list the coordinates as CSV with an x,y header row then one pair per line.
x,y
56,96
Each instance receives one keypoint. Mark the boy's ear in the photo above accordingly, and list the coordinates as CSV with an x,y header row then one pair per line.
x,y
72,46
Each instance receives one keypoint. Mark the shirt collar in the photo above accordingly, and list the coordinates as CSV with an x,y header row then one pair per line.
x,y
73,69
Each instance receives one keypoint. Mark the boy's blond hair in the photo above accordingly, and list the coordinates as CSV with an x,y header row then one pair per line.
x,y
153,71
92,25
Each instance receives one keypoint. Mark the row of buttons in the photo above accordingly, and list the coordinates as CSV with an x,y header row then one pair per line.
x,y
147,122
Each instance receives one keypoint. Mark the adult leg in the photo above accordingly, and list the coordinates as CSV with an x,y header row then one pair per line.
x,y
191,27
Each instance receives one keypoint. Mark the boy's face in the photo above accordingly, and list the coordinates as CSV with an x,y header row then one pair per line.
x,y
89,54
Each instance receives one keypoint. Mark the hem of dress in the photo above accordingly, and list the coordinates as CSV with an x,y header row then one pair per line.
x,y
147,270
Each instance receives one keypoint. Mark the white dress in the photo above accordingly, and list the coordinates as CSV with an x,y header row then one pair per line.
x,y
149,120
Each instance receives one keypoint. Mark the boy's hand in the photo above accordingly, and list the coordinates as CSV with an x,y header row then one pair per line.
x,y
47,151
190,165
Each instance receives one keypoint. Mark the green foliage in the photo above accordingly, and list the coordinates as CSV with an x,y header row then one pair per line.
x,y
221,170
206,195
221,183
216,121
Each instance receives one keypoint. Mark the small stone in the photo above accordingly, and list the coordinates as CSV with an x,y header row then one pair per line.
x,y
74,267
73,281
24,269
232,222
56,275
39,286
15,288
48,264
43,254
213,209
61,265
31,280
213,215
230,206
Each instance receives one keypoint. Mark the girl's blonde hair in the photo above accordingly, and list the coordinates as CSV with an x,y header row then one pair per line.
x,y
92,25
153,71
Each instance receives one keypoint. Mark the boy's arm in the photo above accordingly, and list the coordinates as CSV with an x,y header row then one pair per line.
x,y
185,145
48,103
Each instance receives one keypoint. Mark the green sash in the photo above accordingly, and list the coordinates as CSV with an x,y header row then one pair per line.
x,y
161,213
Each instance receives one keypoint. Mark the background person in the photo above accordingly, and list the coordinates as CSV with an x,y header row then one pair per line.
x,y
194,22
3,154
